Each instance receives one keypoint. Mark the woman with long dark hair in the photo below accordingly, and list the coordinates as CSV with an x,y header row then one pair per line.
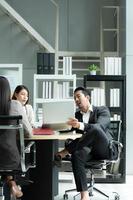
x,y
21,93
9,154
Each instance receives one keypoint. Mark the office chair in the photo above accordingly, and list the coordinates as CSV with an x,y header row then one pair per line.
x,y
101,165
27,153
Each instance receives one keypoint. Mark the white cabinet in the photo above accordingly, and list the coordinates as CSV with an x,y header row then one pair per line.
x,y
52,88
13,72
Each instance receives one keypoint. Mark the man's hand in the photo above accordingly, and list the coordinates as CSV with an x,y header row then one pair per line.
x,y
73,122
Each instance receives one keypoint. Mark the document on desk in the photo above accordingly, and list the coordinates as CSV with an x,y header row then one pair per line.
x,y
43,131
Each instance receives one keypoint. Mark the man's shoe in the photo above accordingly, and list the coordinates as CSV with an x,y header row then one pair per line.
x,y
57,160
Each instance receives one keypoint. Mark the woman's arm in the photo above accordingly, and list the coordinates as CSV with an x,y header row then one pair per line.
x,y
30,114
17,109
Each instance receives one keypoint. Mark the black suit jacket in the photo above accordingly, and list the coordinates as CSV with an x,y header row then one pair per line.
x,y
99,117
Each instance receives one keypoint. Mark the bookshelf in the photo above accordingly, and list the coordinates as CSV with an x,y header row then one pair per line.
x,y
52,88
80,63
118,111
111,64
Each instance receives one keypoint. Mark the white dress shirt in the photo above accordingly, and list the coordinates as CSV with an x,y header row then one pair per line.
x,y
86,117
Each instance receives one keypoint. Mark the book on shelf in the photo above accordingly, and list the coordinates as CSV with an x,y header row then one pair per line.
x,y
59,91
45,63
67,65
43,90
47,90
55,86
119,66
114,97
50,90
115,117
51,63
39,115
67,70
111,98
55,89
98,97
40,63
65,90
112,66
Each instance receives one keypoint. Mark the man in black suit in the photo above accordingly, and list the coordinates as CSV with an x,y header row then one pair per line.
x,y
93,122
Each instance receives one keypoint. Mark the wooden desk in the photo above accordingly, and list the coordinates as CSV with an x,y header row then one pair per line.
x,y
45,175
56,136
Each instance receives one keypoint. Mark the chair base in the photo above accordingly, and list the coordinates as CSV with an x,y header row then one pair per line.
x,y
90,190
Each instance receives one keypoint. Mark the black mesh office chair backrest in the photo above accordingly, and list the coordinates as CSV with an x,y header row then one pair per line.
x,y
11,127
9,123
115,127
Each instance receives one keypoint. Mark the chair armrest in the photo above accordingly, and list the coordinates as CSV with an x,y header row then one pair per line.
x,y
28,147
114,164
30,155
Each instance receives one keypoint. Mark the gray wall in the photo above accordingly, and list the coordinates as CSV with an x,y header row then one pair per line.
x,y
77,32
16,46
76,29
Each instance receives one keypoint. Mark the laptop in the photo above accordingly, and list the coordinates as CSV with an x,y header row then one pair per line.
x,y
57,113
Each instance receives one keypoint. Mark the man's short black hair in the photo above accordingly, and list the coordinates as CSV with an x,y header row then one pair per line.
x,y
84,91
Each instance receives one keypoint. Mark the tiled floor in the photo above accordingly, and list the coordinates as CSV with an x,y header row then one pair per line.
x,y
124,190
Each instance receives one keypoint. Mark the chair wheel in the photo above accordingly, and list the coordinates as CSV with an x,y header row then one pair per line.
x,y
116,196
90,194
65,196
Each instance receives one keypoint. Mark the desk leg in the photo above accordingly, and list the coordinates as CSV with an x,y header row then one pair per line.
x,y
45,175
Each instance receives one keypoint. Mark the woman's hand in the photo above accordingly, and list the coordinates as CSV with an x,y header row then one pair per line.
x,y
73,122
